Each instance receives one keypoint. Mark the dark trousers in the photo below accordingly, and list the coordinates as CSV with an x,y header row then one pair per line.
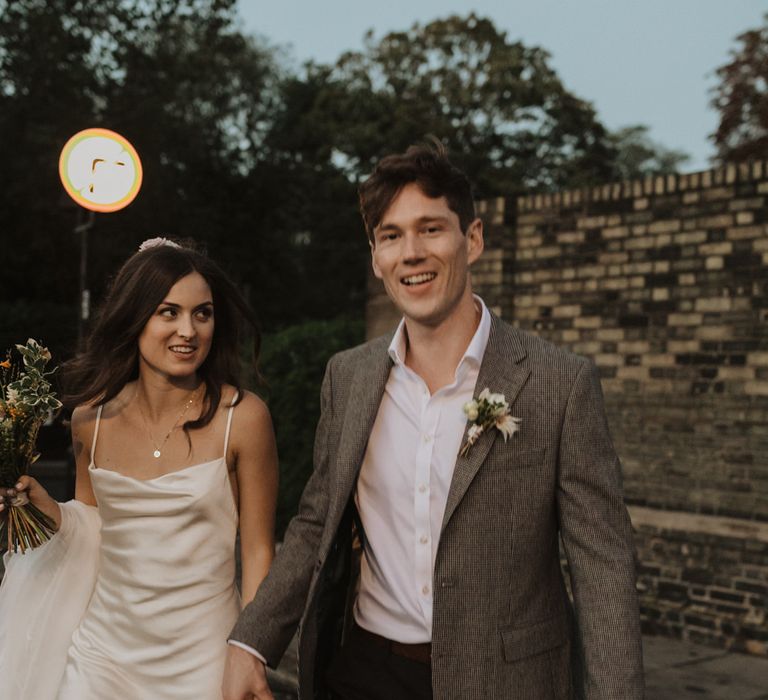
x,y
365,670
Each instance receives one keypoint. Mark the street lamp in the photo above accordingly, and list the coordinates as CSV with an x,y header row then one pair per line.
x,y
100,171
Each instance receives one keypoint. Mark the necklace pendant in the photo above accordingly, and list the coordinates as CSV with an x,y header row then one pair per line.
x,y
156,454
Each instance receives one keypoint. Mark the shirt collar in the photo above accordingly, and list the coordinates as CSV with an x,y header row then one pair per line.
x,y
474,352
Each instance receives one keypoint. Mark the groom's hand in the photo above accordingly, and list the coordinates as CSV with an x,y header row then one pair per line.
x,y
245,677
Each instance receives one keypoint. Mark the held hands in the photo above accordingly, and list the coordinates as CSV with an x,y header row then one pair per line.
x,y
29,489
245,677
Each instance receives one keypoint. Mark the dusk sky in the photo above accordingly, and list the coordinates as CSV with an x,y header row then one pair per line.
x,y
650,62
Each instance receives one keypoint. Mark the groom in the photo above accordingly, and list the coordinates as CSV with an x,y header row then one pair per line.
x,y
456,590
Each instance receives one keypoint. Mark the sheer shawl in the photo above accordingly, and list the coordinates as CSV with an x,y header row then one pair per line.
x,y
43,597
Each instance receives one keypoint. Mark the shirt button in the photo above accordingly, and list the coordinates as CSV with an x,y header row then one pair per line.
x,y
427,438
425,590
422,488
423,539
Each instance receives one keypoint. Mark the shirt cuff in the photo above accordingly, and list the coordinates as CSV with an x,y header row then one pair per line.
x,y
250,650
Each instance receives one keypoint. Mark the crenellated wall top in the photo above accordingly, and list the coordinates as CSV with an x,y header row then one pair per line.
x,y
652,185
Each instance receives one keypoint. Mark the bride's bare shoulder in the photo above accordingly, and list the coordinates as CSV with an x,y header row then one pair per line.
x,y
246,400
251,412
84,416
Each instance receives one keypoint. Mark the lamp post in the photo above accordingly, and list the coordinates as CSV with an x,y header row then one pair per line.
x,y
84,312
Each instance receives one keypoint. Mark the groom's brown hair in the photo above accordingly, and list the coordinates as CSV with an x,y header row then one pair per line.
x,y
428,166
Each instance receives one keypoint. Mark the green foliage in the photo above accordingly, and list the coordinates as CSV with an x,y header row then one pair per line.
x,y
26,399
507,118
202,104
741,98
293,362
637,155
180,82
30,388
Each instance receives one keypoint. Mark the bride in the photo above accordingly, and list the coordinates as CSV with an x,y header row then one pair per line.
x,y
134,596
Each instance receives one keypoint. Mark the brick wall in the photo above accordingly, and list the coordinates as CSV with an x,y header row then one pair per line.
x,y
664,284
704,578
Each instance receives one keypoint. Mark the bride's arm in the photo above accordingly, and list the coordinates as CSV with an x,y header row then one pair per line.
x,y
83,423
83,426
252,441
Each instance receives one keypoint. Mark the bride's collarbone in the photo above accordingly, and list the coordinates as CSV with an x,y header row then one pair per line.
x,y
125,448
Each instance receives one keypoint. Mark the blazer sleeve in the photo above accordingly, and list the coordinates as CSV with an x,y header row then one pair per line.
x,y
598,542
269,621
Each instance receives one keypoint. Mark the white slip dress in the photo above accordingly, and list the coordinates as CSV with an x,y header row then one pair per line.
x,y
163,601
165,597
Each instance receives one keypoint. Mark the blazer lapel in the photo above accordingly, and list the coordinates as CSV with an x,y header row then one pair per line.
x,y
502,372
365,395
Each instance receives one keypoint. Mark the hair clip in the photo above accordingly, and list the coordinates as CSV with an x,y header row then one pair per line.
x,y
155,242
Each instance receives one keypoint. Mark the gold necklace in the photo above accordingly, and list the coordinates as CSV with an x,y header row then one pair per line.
x,y
159,448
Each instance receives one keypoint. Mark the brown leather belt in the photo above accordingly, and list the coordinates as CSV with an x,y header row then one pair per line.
x,y
422,653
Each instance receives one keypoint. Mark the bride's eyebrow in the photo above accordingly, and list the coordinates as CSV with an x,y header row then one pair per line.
x,y
173,305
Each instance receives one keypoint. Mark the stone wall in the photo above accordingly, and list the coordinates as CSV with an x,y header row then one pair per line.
x,y
664,284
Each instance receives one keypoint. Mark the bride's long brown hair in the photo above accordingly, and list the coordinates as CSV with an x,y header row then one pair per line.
x,y
111,356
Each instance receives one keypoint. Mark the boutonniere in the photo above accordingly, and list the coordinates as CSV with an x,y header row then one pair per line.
x,y
488,411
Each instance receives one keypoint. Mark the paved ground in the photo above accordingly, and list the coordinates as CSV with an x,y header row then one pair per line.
x,y
677,670
674,670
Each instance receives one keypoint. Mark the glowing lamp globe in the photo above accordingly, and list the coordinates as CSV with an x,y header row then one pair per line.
x,y
100,170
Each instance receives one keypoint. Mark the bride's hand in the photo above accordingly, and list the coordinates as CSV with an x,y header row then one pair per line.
x,y
30,489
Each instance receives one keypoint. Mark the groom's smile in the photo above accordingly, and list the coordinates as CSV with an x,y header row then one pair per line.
x,y
423,278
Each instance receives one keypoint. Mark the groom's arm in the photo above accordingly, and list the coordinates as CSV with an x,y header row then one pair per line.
x,y
269,621
598,542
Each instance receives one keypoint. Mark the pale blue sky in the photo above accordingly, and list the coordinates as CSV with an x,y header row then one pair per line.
x,y
638,61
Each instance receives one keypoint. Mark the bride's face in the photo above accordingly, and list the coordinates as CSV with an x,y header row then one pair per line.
x,y
178,335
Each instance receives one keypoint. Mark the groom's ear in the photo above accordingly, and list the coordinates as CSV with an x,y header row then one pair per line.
x,y
374,265
475,243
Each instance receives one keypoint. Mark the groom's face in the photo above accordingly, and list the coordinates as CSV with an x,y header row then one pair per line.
x,y
423,257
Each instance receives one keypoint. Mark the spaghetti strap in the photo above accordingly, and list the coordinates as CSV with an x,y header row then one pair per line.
x,y
96,431
229,424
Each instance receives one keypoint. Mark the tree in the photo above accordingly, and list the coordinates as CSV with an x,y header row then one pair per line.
x,y
294,361
315,199
197,98
47,92
741,98
180,81
509,121
637,155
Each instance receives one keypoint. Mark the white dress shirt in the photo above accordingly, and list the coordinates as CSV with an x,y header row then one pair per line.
x,y
403,488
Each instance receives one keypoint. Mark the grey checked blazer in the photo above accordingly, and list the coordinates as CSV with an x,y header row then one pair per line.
x,y
503,626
